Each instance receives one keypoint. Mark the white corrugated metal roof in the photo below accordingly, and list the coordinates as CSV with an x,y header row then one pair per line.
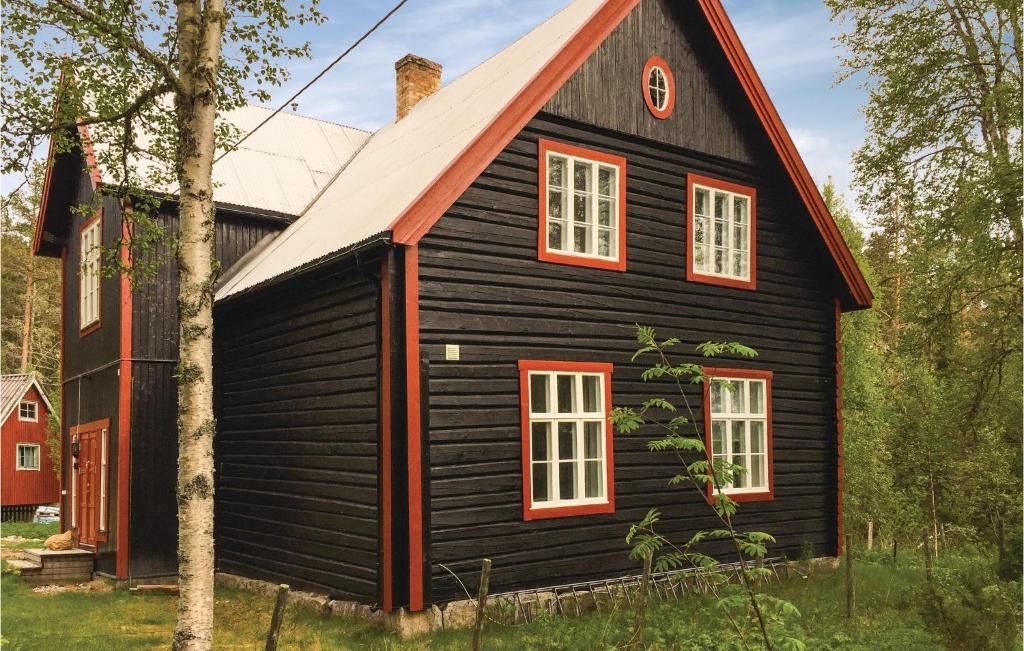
x,y
280,168
402,159
13,387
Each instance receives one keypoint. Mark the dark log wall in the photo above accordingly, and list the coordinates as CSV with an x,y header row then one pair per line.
x,y
154,392
297,435
710,114
482,287
90,369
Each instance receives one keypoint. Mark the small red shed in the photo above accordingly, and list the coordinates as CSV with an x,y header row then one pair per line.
x,y
27,477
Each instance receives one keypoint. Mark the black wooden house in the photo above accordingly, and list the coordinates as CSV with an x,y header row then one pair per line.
x,y
414,367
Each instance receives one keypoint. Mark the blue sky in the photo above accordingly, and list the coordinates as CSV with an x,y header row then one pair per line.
x,y
790,42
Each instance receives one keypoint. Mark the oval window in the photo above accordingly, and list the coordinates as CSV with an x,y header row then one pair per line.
x,y
658,87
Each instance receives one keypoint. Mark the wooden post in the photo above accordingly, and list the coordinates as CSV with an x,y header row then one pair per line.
x,y
871,535
849,576
894,552
275,621
481,604
641,606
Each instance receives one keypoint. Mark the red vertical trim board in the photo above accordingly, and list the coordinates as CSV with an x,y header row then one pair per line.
x,y
414,447
670,104
90,156
66,465
543,147
743,373
530,513
692,274
385,429
839,428
124,406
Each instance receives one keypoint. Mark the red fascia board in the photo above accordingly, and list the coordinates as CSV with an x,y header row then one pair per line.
x,y
543,147
94,177
527,365
751,83
37,240
432,203
670,104
693,275
742,373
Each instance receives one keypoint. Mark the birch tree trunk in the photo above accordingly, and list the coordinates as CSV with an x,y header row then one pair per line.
x,y
200,28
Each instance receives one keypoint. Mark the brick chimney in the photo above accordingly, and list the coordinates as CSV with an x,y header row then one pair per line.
x,y
415,78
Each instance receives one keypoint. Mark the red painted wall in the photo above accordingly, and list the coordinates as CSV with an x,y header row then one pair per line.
x,y
19,487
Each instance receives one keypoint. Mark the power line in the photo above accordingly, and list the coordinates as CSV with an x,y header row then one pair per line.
x,y
315,79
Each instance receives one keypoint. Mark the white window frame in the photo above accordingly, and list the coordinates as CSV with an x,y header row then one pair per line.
x,y
103,480
577,416
663,89
594,198
35,411
729,231
747,418
89,274
38,453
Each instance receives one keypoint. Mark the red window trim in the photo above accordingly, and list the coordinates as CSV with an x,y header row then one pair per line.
x,y
527,365
95,325
543,147
742,373
695,276
670,105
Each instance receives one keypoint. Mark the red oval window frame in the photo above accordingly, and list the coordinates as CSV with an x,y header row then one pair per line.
x,y
670,103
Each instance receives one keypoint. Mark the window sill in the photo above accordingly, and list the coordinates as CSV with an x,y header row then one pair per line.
x,y
89,329
579,261
567,511
697,277
759,496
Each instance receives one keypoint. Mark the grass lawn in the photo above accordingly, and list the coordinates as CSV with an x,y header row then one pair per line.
x,y
34,533
888,617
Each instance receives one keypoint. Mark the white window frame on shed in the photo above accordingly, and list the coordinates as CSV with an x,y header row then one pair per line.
x,y
28,446
34,418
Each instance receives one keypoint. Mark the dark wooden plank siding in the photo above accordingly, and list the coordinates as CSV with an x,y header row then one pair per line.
x,y
297,437
606,90
90,362
155,395
483,288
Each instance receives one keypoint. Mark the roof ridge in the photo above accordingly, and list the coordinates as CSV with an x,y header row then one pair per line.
x,y
307,117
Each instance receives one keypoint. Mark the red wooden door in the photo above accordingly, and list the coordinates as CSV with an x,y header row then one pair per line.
x,y
88,489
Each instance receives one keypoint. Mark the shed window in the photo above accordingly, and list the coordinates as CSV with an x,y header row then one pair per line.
x,y
567,445
738,422
28,410
28,456
582,207
721,233
89,274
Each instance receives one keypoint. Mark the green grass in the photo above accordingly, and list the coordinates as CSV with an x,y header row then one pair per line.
x,y
889,616
36,533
